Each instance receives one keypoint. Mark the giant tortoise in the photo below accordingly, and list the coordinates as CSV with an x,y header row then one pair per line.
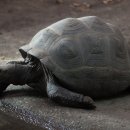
x,y
73,61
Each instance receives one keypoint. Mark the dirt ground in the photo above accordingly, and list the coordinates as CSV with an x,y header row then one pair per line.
x,y
20,20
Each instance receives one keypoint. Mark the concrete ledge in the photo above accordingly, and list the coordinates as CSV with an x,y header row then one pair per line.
x,y
28,105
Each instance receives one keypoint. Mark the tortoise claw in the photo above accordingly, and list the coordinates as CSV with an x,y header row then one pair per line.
x,y
89,103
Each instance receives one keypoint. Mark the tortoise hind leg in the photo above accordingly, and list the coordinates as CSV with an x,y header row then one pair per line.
x,y
68,98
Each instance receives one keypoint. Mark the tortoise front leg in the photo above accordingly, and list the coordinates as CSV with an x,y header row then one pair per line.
x,y
5,76
12,73
17,74
68,98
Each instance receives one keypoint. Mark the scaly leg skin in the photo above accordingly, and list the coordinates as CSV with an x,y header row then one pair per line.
x,y
18,74
12,73
68,98
4,77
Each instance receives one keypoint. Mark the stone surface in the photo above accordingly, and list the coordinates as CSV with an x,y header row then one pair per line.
x,y
8,122
28,105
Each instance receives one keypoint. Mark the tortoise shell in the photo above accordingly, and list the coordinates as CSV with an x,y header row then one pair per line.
x,y
81,51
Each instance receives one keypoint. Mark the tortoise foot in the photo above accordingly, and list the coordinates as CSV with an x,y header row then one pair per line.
x,y
88,102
